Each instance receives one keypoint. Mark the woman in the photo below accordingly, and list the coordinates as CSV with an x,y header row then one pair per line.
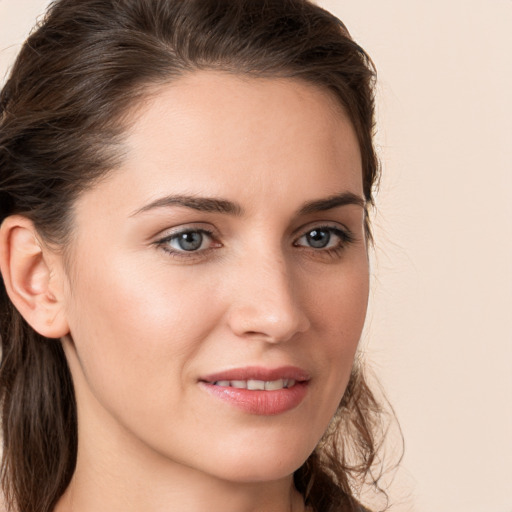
x,y
184,197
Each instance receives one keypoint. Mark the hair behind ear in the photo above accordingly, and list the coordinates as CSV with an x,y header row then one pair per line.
x,y
38,414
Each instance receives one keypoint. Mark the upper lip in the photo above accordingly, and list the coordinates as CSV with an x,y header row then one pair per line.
x,y
259,373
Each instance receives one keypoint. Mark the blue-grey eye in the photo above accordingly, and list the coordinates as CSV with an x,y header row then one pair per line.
x,y
318,238
187,241
324,237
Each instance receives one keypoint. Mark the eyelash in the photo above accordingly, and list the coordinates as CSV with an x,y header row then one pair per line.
x,y
164,243
344,235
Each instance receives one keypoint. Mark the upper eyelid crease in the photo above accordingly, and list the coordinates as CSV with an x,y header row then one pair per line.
x,y
176,233
218,205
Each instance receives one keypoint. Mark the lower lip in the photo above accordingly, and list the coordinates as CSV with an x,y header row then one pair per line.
x,y
264,403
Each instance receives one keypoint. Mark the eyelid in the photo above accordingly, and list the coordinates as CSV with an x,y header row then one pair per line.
x,y
345,235
320,223
163,240
184,228
331,225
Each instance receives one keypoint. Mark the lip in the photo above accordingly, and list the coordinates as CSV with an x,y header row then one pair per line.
x,y
259,373
263,403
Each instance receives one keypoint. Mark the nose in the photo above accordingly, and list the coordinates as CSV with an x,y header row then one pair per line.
x,y
266,301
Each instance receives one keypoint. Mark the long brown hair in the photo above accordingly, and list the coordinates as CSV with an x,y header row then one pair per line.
x,y
62,115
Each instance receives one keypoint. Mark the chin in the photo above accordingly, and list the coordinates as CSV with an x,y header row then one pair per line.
x,y
262,460
271,470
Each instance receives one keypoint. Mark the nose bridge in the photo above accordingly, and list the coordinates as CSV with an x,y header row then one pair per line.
x,y
266,302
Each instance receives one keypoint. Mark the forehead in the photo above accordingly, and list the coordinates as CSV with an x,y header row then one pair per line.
x,y
219,134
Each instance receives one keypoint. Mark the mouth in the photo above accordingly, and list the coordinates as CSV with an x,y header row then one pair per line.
x,y
256,385
259,391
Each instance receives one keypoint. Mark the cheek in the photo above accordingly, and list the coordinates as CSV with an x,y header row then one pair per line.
x,y
339,306
339,313
131,324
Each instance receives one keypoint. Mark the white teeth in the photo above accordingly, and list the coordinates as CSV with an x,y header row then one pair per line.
x,y
274,384
257,385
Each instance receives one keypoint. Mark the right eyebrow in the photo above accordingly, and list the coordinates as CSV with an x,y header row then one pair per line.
x,y
202,204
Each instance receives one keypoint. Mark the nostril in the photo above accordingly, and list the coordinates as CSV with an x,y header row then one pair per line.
x,y
274,327
264,301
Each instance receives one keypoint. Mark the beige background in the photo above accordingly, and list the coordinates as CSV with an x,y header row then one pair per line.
x,y
439,331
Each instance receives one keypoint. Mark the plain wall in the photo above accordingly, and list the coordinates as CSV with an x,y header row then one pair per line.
x,y
439,330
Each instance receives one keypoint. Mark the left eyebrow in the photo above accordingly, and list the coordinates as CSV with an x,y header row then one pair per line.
x,y
331,202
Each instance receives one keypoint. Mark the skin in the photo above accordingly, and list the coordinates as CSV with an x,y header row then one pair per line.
x,y
143,325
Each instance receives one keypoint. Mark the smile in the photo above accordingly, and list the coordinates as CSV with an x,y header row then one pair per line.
x,y
259,391
256,385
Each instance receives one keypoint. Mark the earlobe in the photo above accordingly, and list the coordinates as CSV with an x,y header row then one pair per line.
x,y
30,283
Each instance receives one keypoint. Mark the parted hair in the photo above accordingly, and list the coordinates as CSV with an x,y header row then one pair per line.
x,y
63,112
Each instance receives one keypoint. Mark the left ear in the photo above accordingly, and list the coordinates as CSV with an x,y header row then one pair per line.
x,y
28,271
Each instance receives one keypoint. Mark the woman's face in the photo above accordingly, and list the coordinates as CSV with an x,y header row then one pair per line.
x,y
226,253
